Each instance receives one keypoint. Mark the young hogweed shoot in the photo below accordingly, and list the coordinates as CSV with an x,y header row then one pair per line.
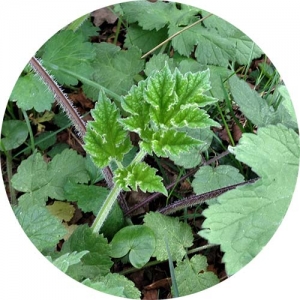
x,y
159,110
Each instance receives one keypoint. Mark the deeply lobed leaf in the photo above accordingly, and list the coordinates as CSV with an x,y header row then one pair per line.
x,y
192,275
179,235
105,139
140,176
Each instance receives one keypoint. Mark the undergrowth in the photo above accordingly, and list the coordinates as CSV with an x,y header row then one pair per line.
x,y
174,150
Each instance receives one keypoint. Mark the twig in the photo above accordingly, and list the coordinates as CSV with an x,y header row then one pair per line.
x,y
199,199
175,34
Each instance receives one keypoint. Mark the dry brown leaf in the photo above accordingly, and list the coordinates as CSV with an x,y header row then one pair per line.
x,y
104,15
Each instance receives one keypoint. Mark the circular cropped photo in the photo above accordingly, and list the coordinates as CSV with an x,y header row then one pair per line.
x,y
149,150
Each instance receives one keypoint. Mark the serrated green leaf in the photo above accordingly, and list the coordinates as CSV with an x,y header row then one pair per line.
x,y
114,69
255,108
148,15
157,62
137,240
89,198
192,117
14,133
192,276
34,174
179,236
161,96
64,261
42,228
68,50
192,158
105,139
144,39
96,262
245,219
115,284
208,178
30,92
191,86
172,142
140,176
285,110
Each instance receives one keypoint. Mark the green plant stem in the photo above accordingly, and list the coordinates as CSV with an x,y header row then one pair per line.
x,y
226,125
29,130
175,34
118,30
106,208
12,192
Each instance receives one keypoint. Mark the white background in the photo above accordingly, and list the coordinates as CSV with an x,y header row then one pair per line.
x,y
26,25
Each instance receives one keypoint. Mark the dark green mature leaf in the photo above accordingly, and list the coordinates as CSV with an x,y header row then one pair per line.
x,y
96,262
245,219
34,174
137,240
179,235
14,133
30,92
144,39
42,228
114,69
192,275
89,198
105,139
140,176
68,50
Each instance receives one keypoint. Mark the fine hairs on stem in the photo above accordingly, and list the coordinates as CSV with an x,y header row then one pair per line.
x,y
67,106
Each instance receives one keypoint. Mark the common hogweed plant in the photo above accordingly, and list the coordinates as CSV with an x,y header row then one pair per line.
x,y
159,109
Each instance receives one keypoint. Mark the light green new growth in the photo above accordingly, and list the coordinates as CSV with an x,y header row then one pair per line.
x,y
158,109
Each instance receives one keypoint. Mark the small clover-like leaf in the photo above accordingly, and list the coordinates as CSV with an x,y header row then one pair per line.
x,y
30,92
179,235
137,240
14,133
140,176
105,139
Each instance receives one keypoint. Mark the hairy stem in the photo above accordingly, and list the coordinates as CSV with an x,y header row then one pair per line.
x,y
106,208
199,199
68,107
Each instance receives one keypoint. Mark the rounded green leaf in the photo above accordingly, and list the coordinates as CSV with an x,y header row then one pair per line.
x,y
138,241
15,133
